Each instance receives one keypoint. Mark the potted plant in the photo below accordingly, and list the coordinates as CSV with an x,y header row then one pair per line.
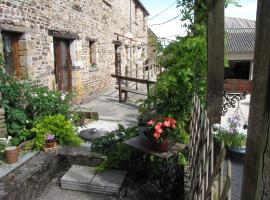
x,y
160,131
50,141
233,137
10,152
145,115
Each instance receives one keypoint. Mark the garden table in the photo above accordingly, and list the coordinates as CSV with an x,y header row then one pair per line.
x,y
172,179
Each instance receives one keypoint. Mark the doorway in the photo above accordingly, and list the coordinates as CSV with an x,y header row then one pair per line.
x,y
63,64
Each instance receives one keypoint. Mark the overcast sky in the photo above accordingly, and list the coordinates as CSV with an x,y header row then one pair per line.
x,y
248,11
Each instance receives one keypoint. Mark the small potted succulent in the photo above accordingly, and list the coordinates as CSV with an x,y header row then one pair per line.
x,y
160,131
50,140
233,137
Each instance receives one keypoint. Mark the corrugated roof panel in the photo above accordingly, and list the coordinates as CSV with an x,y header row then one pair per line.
x,y
232,22
240,39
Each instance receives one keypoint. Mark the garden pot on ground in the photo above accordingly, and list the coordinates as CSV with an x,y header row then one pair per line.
x,y
236,154
11,155
50,144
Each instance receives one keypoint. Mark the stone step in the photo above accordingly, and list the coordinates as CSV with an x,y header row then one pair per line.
x,y
84,178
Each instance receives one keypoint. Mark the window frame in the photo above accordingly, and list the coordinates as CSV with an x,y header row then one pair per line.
x,y
92,55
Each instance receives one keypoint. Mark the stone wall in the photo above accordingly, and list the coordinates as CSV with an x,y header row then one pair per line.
x,y
97,20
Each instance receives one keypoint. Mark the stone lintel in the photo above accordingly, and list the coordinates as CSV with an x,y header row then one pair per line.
x,y
91,39
64,35
13,28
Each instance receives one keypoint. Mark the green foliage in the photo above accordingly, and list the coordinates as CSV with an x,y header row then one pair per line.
x,y
24,102
231,140
186,64
194,11
43,102
117,153
2,151
61,128
13,102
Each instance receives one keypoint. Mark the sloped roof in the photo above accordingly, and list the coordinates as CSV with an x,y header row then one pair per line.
x,y
142,6
232,22
240,35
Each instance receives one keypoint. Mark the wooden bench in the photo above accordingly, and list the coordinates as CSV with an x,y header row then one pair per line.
x,y
122,89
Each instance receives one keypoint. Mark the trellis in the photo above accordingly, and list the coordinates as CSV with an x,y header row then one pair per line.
x,y
203,172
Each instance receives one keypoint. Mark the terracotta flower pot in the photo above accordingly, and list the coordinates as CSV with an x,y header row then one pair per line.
x,y
11,155
50,144
162,146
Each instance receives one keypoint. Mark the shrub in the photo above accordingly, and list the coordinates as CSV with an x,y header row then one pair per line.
x,y
61,128
117,153
43,102
13,102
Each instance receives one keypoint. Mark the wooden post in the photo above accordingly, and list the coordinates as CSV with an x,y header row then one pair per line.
x,y
215,77
256,183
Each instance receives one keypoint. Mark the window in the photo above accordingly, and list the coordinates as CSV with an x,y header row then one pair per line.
x,y
237,70
92,56
11,53
136,15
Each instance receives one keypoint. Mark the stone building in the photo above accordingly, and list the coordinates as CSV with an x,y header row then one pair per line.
x,y
72,45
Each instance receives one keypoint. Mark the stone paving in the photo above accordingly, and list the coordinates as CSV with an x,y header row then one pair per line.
x,y
109,109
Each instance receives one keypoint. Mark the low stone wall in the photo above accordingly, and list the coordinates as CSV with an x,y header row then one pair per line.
x,y
30,179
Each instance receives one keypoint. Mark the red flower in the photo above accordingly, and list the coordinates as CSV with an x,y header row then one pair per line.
x,y
151,122
156,135
158,125
167,123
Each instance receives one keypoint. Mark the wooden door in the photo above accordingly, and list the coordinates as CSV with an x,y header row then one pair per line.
x,y
11,53
63,71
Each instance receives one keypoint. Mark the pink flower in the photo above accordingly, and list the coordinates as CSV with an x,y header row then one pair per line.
x,y
157,135
167,123
151,122
158,125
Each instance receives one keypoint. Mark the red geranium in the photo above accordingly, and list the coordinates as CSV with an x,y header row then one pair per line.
x,y
162,128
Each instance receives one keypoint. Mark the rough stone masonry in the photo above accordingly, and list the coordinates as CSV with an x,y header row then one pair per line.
x,y
85,35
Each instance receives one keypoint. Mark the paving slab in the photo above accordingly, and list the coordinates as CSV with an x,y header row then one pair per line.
x,y
109,179
109,109
79,175
84,178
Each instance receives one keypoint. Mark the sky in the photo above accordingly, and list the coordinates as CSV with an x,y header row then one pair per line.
x,y
169,30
